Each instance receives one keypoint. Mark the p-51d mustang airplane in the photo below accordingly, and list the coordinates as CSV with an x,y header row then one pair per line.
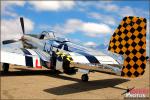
x,y
56,53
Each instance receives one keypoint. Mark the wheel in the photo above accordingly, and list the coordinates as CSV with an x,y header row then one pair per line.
x,y
5,67
53,61
85,78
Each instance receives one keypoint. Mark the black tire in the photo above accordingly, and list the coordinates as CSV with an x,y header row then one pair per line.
x,y
85,78
53,61
5,67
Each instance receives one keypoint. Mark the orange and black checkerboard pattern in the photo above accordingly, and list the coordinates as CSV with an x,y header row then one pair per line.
x,y
129,39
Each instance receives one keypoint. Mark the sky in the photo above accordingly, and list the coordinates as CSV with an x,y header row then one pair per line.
x,y
88,22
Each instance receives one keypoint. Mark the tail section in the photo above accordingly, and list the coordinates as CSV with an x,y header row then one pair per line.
x,y
129,39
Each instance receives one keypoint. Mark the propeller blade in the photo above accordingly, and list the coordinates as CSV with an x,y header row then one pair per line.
x,y
22,24
8,41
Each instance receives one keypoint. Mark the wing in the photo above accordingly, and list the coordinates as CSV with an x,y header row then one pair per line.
x,y
89,62
24,57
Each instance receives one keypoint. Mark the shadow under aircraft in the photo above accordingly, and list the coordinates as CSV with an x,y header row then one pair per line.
x,y
79,86
82,86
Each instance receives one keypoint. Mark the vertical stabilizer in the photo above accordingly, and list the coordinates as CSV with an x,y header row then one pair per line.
x,y
129,39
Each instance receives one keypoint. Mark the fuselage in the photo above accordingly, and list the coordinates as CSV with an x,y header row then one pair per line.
x,y
76,51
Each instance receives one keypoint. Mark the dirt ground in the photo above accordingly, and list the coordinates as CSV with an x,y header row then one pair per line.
x,y
22,83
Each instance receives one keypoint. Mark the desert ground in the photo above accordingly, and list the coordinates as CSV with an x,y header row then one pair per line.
x,y
23,83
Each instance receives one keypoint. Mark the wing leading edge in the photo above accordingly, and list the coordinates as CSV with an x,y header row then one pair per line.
x,y
24,57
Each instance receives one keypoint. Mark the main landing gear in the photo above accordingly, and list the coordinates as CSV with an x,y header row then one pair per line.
x,y
85,78
5,67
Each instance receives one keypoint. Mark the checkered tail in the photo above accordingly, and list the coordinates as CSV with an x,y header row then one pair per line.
x,y
129,39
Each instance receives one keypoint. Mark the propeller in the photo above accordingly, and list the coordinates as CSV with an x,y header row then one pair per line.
x,y
8,41
22,24
23,31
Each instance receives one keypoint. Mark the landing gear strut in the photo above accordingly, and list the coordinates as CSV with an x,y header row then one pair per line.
x,y
5,67
85,78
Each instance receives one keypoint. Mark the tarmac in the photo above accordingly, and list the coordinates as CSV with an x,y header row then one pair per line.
x,y
25,83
